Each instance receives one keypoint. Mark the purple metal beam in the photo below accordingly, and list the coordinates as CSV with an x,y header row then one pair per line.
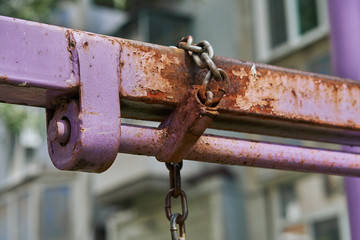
x,y
35,71
232,151
37,68
345,38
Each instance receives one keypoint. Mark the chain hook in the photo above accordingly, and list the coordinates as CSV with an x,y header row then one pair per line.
x,y
174,229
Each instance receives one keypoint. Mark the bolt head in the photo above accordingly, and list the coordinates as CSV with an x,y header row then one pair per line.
x,y
59,130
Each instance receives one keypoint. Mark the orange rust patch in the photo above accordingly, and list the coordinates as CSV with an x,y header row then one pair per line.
x,y
4,78
156,95
263,108
85,45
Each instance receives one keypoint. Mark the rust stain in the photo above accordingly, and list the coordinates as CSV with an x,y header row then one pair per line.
x,y
4,78
156,96
71,43
91,112
159,73
86,45
74,79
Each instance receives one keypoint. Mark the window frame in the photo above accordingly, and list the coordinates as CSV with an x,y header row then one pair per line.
x,y
295,40
336,209
34,192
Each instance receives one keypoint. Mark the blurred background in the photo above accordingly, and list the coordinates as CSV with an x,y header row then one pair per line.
x,y
127,201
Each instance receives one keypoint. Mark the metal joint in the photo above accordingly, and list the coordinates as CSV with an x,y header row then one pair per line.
x,y
84,134
184,127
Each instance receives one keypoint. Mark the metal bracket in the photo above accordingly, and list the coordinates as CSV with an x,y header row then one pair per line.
x,y
85,134
184,127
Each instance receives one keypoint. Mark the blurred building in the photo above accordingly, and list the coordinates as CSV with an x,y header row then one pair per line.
x,y
127,201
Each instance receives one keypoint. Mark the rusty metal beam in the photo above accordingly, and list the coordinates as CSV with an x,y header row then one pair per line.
x,y
38,68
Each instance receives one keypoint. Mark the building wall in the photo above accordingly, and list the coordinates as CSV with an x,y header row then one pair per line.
x,y
288,205
312,58
209,218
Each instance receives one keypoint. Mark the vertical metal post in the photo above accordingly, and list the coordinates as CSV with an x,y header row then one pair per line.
x,y
345,39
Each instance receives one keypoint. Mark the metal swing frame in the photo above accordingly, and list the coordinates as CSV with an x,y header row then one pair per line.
x,y
87,82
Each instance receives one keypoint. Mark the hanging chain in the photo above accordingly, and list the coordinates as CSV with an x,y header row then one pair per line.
x,y
209,94
202,54
175,192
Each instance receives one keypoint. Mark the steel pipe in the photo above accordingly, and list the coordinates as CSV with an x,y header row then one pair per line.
x,y
233,151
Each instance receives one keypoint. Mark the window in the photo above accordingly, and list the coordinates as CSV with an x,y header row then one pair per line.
x,y
289,205
308,15
301,210
277,23
327,229
281,26
55,214
155,26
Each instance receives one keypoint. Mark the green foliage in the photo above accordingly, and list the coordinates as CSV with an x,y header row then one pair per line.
x,y
34,10
16,117
13,117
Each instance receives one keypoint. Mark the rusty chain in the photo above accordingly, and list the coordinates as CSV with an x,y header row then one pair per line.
x,y
174,192
202,54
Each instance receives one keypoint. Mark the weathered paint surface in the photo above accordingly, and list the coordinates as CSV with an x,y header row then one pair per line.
x,y
184,127
159,74
232,151
95,119
38,60
52,65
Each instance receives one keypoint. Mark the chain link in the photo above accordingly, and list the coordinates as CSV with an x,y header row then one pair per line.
x,y
202,54
175,192
174,177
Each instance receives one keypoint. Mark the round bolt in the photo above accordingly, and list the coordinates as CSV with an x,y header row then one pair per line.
x,y
59,130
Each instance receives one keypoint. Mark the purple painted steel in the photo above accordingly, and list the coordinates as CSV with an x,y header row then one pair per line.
x,y
140,140
95,119
39,67
34,62
224,150
345,39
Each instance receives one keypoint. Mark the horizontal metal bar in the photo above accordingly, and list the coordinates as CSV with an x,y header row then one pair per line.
x,y
233,151
37,68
